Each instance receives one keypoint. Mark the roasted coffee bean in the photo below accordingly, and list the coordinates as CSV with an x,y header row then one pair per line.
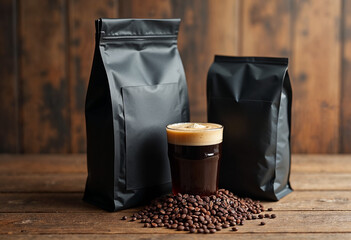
x,y
206,214
270,209
211,226
267,215
235,229
180,228
133,219
273,216
124,218
218,228
225,225
262,223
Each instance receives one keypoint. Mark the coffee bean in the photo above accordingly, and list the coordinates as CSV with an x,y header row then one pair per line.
x,y
124,218
218,228
267,215
235,229
270,209
180,228
273,216
207,214
225,225
211,226
262,223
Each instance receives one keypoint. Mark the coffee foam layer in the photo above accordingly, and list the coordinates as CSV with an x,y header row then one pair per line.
x,y
194,134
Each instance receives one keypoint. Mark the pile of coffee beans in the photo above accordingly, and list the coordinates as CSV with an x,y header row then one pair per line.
x,y
207,214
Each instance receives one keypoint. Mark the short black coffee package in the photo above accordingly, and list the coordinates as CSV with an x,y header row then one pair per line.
x,y
137,87
251,97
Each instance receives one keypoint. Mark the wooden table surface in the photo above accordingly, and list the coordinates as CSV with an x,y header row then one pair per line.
x,y
40,198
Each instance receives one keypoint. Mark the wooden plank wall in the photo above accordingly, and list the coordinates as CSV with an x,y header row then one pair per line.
x,y
47,48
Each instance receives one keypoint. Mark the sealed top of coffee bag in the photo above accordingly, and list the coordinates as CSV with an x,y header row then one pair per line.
x,y
137,27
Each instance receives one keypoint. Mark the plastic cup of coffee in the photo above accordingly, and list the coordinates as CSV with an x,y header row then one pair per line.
x,y
194,151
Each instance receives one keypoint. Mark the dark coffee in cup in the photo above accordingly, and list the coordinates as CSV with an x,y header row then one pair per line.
x,y
194,151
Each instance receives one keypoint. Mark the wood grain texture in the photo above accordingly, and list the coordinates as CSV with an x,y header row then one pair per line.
x,y
69,182
65,223
45,203
82,15
237,235
318,213
9,125
265,28
313,200
72,202
345,107
75,182
42,164
321,181
208,28
316,76
318,163
145,9
43,76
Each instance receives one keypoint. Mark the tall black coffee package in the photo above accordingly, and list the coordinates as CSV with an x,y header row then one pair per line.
x,y
137,87
251,97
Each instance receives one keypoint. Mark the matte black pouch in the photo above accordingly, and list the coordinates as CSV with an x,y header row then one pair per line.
x,y
251,97
137,87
